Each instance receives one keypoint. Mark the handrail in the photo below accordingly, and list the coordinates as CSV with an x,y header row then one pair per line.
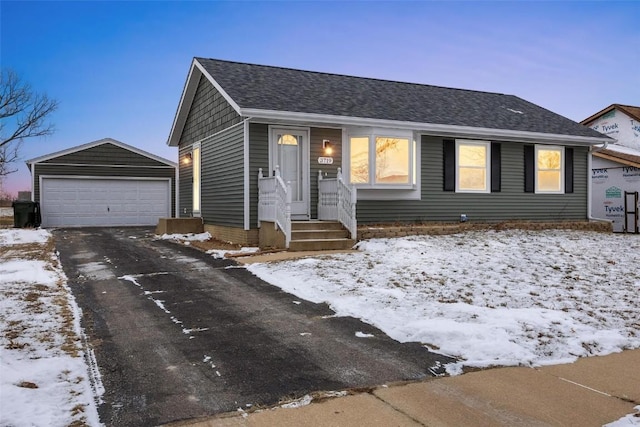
x,y
274,202
347,198
337,201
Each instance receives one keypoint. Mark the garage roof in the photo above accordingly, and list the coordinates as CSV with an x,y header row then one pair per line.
x,y
97,143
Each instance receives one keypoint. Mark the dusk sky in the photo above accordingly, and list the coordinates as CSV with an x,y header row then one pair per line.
x,y
118,68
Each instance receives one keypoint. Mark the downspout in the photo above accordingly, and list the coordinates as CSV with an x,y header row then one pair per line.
x,y
589,188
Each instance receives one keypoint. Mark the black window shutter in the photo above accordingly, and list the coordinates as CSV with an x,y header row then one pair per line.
x,y
449,162
496,167
568,170
529,169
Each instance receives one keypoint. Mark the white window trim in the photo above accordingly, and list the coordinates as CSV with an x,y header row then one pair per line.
x,y
535,164
410,191
487,183
198,146
371,134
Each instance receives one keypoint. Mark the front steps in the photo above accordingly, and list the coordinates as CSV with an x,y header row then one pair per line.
x,y
319,236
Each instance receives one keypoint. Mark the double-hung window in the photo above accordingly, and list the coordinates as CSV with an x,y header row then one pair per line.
x,y
549,163
473,166
548,169
382,159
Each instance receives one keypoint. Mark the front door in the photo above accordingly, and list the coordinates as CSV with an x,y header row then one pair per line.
x,y
290,152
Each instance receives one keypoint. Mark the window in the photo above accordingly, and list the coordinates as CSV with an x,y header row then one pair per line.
x,y
196,180
472,165
549,169
359,160
382,160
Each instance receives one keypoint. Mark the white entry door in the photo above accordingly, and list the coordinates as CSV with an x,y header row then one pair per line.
x,y
290,152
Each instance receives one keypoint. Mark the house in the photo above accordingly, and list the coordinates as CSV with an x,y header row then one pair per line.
x,y
266,148
615,168
103,183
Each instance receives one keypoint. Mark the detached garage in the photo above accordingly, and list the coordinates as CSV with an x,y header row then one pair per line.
x,y
103,183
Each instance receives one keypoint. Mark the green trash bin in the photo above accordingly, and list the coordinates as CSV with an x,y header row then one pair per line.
x,y
26,214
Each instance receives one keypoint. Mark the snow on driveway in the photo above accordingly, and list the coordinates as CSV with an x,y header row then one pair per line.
x,y
45,379
488,298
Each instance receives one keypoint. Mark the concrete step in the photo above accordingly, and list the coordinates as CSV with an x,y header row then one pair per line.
x,y
319,234
315,225
321,244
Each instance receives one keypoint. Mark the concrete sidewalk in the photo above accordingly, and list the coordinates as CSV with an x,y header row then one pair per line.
x,y
591,392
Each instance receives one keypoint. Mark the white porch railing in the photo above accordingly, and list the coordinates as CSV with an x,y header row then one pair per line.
x,y
337,201
274,202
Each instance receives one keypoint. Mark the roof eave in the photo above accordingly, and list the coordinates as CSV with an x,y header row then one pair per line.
x,y
623,108
617,159
426,128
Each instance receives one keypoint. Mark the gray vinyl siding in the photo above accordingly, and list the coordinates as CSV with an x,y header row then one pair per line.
x,y
328,171
106,154
258,158
512,203
210,113
55,168
222,188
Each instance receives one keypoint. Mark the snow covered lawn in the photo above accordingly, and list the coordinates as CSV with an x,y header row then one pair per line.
x,y
45,380
487,298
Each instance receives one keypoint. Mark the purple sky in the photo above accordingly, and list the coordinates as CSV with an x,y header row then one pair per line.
x,y
118,68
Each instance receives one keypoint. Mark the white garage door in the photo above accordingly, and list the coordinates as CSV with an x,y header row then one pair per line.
x,y
103,202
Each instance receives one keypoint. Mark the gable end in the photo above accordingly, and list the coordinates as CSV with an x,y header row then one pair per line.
x,y
209,113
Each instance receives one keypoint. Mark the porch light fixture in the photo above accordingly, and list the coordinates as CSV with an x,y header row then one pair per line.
x,y
187,158
327,146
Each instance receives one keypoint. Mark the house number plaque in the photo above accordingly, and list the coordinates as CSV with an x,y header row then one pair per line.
x,y
325,160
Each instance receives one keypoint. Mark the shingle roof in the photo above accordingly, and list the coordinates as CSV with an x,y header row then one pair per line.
x,y
289,90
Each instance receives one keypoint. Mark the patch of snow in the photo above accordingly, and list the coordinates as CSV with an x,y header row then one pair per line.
x,y
6,212
221,253
189,237
515,111
46,378
303,401
360,334
628,420
21,236
487,298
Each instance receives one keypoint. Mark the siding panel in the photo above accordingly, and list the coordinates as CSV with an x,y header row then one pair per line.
x,y
210,113
106,154
258,158
328,171
222,189
512,203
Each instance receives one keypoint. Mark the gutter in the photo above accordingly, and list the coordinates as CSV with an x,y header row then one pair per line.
x,y
425,128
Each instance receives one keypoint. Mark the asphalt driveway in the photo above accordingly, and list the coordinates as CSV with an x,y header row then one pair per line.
x,y
178,334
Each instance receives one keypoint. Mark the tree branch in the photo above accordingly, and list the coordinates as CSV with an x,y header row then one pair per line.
x,y
23,114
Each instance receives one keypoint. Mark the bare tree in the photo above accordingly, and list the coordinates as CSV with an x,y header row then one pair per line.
x,y
23,114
